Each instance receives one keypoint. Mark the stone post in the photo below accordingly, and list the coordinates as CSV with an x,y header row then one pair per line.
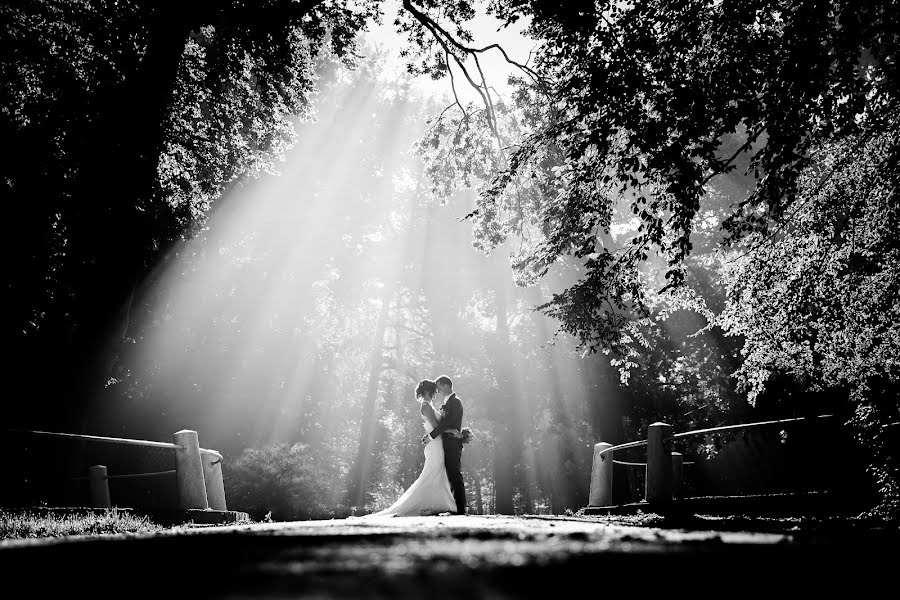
x,y
212,475
99,487
601,476
189,471
658,489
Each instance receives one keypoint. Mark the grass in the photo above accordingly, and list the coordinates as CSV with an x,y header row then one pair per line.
x,y
786,524
20,525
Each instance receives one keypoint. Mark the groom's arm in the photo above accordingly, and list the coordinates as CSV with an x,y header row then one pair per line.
x,y
449,413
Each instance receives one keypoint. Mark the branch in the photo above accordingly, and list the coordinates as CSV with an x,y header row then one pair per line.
x,y
744,147
491,117
439,118
823,179
453,86
487,96
250,15
446,40
435,28
420,333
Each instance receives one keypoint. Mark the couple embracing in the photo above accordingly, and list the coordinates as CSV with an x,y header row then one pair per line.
x,y
439,488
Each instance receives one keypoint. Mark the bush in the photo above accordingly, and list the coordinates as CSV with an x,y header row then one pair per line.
x,y
284,481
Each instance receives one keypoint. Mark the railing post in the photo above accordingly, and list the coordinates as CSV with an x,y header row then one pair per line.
x,y
189,471
99,487
601,476
212,475
677,475
658,488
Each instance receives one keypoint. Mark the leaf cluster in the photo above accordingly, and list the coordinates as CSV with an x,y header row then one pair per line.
x,y
634,107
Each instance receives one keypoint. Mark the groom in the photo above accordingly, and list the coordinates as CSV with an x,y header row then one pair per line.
x,y
451,418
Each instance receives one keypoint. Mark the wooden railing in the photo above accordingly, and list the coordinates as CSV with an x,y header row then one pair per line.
x,y
664,469
198,471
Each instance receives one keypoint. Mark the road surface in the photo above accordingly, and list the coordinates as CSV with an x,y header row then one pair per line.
x,y
449,557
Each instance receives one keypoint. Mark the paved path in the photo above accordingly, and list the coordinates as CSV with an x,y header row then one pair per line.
x,y
446,557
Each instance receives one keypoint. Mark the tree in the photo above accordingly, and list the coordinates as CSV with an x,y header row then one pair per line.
x,y
122,121
143,116
631,105
816,300
649,108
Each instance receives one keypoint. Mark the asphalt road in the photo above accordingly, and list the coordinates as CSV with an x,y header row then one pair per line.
x,y
450,557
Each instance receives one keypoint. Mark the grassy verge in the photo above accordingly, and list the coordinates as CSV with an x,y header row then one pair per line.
x,y
18,525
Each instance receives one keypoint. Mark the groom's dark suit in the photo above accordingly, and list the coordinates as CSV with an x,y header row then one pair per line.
x,y
451,418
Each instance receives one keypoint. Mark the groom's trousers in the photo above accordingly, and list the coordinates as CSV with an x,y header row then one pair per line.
x,y
453,462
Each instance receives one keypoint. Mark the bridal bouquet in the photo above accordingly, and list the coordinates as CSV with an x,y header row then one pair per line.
x,y
467,435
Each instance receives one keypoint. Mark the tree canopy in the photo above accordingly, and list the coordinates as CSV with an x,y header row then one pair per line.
x,y
649,105
125,120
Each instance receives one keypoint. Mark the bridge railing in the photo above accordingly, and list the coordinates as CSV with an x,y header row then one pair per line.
x,y
664,469
198,471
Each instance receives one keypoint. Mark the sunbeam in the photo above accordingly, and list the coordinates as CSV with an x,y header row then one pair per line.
x,y
587,268
261,328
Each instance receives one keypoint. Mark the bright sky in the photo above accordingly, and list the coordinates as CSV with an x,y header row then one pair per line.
x,y
485,29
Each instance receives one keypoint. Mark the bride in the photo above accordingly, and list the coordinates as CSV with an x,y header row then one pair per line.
x,y
430,494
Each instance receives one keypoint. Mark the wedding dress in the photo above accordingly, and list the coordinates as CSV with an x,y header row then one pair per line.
x,y
430,494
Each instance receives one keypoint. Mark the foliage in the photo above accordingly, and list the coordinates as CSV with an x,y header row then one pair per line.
x,y
684,375
633,105
125,121
817,300
17,525
634,120
122,122
288,481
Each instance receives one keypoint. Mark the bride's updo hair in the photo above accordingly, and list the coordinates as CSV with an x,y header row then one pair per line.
x,y
426,389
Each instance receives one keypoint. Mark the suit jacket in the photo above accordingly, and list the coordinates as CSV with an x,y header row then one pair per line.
x,y
451,416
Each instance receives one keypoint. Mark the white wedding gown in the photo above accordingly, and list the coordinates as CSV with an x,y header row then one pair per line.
x,y
430,494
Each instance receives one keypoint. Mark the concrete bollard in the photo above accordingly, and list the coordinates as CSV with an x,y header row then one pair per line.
x,y
601,476
99,487
658,489
189,471
212,475
677,475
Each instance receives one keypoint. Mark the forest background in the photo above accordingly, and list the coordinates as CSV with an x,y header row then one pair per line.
x,y
252,225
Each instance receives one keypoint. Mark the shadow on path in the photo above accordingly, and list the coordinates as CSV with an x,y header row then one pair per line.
x,y
450,557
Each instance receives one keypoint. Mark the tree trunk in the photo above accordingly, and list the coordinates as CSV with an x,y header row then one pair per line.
x,y
526,494
494,497
120,226
362,468
508,450
479,502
